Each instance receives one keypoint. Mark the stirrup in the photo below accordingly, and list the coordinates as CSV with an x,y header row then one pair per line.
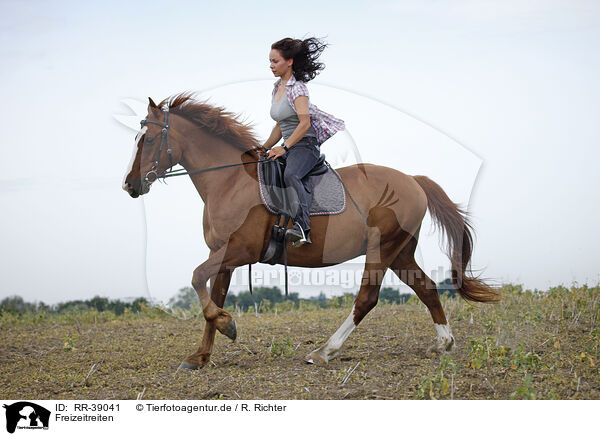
x,y
305,239
292,236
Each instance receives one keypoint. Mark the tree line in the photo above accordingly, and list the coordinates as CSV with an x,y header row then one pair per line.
x,y
16,304
187,299
262,298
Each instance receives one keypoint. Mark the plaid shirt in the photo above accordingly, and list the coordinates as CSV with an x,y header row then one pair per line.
x,y
324,124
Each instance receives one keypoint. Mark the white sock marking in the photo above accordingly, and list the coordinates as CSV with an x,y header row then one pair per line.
x,y
336,341
444,333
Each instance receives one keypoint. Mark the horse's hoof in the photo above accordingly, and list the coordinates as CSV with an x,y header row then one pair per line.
x,y
315,359
440,348
190,366
231,331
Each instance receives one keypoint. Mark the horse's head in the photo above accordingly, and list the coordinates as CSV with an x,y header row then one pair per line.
x,y
156,150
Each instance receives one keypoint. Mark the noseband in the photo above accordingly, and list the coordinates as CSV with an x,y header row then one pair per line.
x,y
164,138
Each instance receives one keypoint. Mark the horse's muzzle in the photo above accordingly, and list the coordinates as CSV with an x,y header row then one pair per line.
x,y
131,190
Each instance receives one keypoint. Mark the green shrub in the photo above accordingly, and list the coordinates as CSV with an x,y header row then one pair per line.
x,y
437,384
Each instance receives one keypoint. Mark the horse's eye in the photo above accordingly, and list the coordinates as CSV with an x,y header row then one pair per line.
x,y
149,140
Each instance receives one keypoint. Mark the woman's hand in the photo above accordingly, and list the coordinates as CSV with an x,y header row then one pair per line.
x,y
275,152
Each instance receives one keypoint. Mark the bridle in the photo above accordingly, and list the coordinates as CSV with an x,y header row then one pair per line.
x,y
170,172
164,138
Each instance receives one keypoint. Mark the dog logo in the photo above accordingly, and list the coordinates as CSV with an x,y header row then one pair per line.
x,y
26,415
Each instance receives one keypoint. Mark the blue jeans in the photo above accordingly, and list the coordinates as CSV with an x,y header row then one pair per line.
x,y
300,159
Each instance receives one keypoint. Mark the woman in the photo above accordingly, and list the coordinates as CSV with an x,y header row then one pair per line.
x,y
302,125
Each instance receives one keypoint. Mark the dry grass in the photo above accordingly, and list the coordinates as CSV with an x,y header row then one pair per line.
x,y
528,346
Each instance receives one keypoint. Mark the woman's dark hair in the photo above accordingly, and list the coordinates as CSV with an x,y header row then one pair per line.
x,y
305,54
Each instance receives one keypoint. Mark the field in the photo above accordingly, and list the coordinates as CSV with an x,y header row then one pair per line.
x,y
531,345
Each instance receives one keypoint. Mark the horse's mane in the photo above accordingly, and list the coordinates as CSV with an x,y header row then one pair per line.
x,y
215,120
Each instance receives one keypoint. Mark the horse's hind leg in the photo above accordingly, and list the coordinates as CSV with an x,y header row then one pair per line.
x,y
405,267
378,259
364,302
218,293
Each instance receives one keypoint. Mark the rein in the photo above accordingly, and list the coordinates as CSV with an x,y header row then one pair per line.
x,y
170,172
183,172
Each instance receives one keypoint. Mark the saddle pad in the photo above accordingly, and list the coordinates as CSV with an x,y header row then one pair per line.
x,y
329,196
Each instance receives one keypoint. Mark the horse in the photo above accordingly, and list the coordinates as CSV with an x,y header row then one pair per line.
x,y
220,154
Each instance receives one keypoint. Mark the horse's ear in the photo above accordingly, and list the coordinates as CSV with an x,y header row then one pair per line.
x,y
151,103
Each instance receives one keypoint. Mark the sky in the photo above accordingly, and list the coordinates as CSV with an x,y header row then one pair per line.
x,y
497,101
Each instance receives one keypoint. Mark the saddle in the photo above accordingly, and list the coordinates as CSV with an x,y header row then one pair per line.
x,y
322,181
325,184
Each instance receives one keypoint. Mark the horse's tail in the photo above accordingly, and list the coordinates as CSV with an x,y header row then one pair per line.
x,y
452,220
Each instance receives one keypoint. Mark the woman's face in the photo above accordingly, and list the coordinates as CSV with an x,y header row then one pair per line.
x,y
278,64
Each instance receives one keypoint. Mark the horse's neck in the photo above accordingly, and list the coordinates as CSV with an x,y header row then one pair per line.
x,y
209,151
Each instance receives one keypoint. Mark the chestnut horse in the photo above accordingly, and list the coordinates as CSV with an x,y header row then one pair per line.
x,y
237,226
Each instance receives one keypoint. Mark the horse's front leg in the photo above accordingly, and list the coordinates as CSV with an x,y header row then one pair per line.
x,y
220,262
218,293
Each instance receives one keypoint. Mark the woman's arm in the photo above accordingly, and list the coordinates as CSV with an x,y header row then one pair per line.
x,y
301,104
274,138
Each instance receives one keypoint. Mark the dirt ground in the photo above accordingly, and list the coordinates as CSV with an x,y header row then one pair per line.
x,y
527,347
